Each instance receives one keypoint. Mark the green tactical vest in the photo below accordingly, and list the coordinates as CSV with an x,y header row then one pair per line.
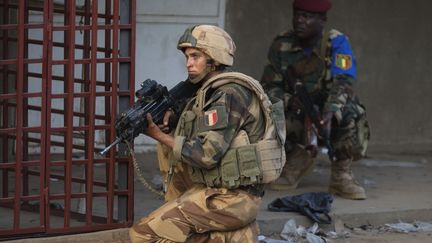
x,y
244,163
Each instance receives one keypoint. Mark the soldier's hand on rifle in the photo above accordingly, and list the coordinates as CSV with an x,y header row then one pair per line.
x,y
156,133
152,129
168,118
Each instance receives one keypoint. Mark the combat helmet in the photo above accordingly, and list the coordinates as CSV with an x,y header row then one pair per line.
x,y
210,39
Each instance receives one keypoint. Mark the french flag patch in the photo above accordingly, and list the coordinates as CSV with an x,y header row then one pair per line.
x,y
210,117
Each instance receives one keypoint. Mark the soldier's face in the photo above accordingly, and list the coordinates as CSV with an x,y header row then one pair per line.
x,y
307,25
196,62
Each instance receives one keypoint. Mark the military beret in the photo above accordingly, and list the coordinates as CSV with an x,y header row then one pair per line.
x,y
317,6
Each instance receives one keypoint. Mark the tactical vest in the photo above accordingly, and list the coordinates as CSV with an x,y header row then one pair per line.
x,y
313,70
244,163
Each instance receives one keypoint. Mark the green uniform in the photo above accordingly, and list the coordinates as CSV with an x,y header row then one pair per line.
x,y
327,71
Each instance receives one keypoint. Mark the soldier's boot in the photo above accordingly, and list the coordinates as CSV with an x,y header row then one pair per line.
x,y
299,163
342,182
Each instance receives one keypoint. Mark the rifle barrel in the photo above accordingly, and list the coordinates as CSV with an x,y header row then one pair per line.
x,y
118,140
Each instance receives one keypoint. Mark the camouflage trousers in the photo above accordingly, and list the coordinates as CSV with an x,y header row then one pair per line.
x,y
345,132
202,214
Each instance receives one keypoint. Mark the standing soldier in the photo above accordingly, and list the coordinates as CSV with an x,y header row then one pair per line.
x,y
313,71
228,141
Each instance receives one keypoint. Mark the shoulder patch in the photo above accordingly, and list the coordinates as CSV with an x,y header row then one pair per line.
x,y
213,119
210,117
343,61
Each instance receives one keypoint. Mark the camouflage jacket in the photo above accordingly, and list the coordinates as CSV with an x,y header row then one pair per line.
x,y
228,110
328,70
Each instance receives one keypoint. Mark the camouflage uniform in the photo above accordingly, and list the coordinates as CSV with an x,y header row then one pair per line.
x,y
328,72
179,181
202,213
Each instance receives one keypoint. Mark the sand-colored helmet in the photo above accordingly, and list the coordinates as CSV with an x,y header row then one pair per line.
x,y
210,39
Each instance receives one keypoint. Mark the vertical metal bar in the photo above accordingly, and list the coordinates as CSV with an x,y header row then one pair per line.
x,y
124,102
4,137
19,118
108,52
83,110
48,70
91,111
126,83
88,166
25,175
66,73
46,74
108,80
111,165
110,87
86,45
69,104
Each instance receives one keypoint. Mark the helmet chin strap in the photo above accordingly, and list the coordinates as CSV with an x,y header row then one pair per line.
x,y
210,67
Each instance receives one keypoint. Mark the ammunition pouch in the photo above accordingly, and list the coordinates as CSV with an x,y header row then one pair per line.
x,y
245,165
239,167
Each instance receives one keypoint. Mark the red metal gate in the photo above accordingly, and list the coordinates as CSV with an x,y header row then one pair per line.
x,y
66,68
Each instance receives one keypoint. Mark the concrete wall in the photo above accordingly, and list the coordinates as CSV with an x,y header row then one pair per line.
x,y
392,40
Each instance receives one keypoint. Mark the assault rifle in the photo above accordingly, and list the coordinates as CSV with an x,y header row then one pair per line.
x,y
155,99
301,93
